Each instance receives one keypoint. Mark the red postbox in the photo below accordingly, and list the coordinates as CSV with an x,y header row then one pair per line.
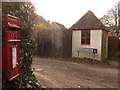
x,y
10,47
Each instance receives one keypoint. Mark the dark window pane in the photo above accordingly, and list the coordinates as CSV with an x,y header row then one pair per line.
x,y
85,36
83,41
87,40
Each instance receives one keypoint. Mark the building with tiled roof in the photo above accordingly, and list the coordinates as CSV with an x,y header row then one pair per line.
x,y
89,38
57,26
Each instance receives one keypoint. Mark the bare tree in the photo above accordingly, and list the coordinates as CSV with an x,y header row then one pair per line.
x,y
119,18
112,19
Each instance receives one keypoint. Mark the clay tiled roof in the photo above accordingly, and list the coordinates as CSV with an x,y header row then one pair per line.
x,y
57,26
89,20
61,25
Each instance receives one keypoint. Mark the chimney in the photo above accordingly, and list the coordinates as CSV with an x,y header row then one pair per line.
x,y
48,21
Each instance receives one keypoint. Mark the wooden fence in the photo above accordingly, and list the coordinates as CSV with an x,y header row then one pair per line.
x,y
53,43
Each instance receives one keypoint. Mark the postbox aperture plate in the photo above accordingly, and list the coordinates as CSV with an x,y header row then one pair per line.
x,y
14,57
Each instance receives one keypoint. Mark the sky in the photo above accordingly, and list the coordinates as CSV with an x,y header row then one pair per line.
x,y
68,12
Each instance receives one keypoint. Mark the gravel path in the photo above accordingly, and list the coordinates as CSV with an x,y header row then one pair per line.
x,y
56,73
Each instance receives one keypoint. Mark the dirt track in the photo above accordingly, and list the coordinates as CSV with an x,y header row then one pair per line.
x,y
55,73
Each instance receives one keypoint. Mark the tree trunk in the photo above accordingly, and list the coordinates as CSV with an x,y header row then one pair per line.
x,y
118,34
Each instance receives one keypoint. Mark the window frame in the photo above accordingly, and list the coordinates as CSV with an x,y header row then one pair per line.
x,y
85,37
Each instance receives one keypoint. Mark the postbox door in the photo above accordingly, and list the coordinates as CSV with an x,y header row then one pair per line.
x,y
11,55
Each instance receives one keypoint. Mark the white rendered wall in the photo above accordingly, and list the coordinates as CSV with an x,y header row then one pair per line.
x,y
95,42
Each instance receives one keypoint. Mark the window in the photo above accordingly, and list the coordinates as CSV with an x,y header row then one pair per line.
x,y
85,37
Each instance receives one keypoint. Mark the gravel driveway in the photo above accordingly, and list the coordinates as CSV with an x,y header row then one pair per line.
x,y
56,73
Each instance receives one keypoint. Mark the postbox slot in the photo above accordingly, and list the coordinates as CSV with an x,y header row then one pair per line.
x,y
13,28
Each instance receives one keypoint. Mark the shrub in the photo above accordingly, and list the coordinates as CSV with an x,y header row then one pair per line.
x,y
113,46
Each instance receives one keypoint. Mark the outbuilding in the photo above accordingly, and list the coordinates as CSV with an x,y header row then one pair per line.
x,y
89,38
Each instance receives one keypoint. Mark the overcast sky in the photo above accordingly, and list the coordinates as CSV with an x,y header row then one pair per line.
x,y
67,12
